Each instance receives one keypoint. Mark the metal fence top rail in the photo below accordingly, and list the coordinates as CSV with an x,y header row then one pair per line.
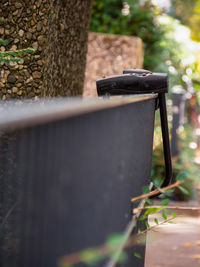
x,y
23,113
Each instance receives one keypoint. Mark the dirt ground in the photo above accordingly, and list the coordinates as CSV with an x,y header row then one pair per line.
x,y
175,245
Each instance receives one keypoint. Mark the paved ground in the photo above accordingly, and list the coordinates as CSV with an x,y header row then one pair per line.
x,y
175,245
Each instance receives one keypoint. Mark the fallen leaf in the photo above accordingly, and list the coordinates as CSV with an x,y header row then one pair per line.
x,y
197,256
198,243
188,245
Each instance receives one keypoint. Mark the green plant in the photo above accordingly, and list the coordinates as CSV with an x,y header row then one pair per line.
x,y
188,13
164,52
131,18
118,242
184,162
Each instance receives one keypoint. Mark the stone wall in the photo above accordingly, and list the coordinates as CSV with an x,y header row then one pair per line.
x,y
110,54
23,24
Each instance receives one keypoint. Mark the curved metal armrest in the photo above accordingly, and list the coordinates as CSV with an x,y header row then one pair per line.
x,y
133,83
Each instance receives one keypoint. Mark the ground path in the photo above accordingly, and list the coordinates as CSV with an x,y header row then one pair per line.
x,y
175,245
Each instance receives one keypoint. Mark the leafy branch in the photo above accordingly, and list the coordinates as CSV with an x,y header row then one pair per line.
x,y
160,190
168,207
94,255
168,220
116,244
113,261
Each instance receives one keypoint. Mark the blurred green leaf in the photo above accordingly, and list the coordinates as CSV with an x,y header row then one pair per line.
x,y
145,189
161,191
137,255
171,222
122,257
147,224
182,176
164,215
165,202
91,256
152,211
174,214
115,240
3,42
157,183
149,201
184,190
156,220
142,218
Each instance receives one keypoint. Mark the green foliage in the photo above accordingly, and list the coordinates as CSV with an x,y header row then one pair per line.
x,y
182,10
172,222
165,202
108,17
91,256
174,214
147,224
3,42
164,215
122,257
114,240
188,12
184,190
152,211
145,189
186,162
148,201
156,221
137,255
183,167
164,52
182,176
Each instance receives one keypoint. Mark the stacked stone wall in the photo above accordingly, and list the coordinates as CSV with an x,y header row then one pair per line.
x,y
110,54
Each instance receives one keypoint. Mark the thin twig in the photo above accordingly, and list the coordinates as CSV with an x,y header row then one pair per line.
x,y
106,250
128,240
168,207
157,191
113,261
156,225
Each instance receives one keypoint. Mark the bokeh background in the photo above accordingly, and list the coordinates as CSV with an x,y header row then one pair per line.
x,y
169,31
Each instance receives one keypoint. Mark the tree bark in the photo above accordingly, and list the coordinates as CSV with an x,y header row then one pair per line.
x,y
66,47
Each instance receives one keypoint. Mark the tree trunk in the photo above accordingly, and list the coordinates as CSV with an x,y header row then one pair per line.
x,y
66,47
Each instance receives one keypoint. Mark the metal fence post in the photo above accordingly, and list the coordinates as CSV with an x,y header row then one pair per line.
x,y
178,110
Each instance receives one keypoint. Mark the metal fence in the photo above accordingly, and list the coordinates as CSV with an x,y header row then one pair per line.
x,y
67,172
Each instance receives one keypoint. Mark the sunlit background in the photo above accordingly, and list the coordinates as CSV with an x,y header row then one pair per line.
x,y
170,34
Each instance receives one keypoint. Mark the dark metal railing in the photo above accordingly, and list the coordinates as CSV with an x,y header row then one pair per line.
x,y
68,169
